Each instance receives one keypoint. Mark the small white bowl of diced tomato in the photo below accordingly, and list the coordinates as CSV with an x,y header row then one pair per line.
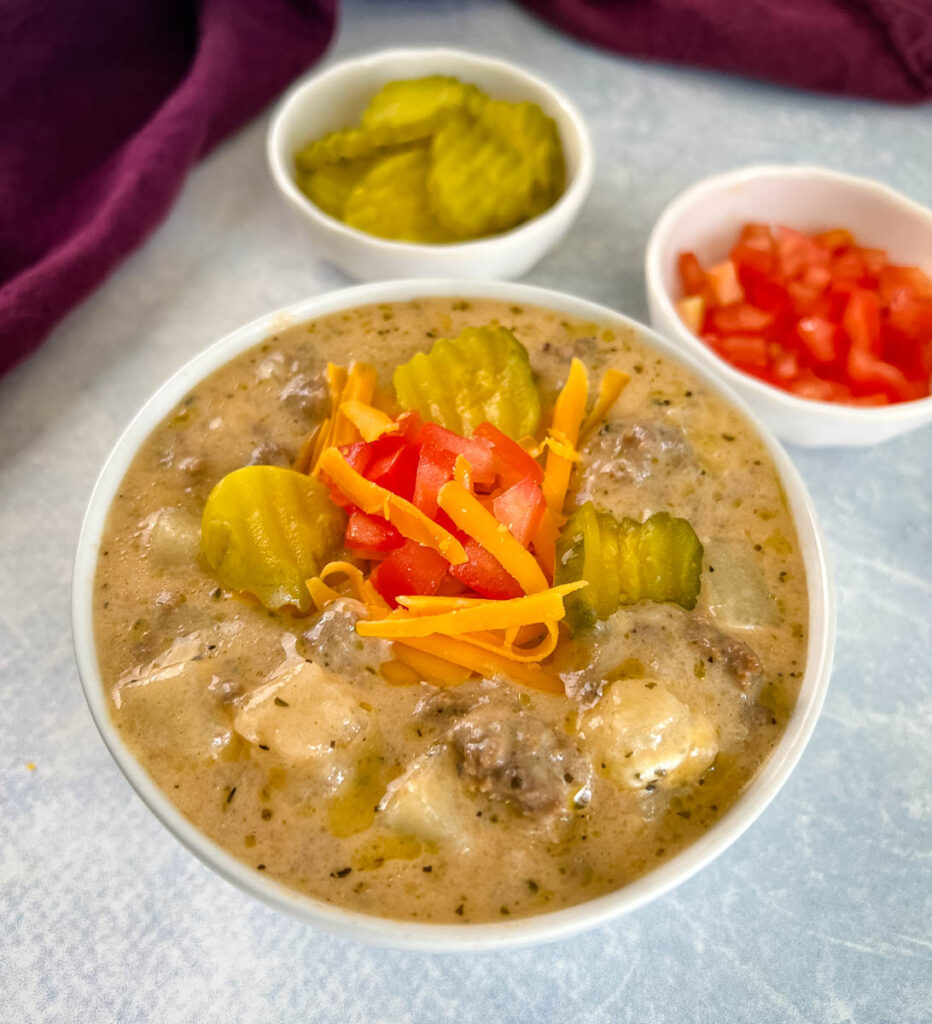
x,y
810,291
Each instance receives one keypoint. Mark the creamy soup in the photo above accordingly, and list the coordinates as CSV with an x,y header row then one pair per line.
x,y
277,736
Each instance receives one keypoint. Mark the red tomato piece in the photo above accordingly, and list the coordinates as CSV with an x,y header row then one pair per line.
x,y
409,569
725,284
785,363
861,321
512,462
371,533
396,469
754,249
476,450
865,368
485,574
745,350
835,239
741,318
520,508
796,252
819,338
434,469
692,275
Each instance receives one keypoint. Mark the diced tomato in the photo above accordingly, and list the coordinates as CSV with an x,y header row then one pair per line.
x,y
409,569
692,312
796,252
520,508
396,469
764,293
821,316
784,363
512,462
865,368
861,321
819,337
725,284
850,271
477,451
742,349
434,469
836,238
741,318
371,533
358,456
908,281
485,574
754,249
692,275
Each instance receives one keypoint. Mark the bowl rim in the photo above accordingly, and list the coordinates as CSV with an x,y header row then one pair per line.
x,y
451,937
278,160
707,188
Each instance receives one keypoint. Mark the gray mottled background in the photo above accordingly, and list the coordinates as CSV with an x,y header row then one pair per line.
x,y
820,913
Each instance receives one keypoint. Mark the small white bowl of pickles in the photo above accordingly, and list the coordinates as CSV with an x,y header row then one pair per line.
x,y
431,162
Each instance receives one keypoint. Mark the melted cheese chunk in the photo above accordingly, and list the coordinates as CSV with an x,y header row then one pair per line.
x,y
641,735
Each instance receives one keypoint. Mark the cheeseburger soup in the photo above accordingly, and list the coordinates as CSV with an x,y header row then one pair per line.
x,y
424,667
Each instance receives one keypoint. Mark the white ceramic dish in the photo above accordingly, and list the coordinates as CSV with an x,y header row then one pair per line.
x,y
437,938
706,219
337,96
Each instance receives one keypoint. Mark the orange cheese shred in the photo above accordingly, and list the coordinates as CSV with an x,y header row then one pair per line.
x,y
487,663
507,649
409,520
430,668
360,387
544,542
568,414
371,423
545,606
611,386
470,515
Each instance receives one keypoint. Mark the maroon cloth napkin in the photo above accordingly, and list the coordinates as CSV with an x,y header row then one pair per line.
x,y
875,48
104,107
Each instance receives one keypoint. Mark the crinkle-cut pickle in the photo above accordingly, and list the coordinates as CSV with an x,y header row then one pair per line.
x,y
390,200
412,109
490,164
482,375
625,562
330,185
489,174
265,530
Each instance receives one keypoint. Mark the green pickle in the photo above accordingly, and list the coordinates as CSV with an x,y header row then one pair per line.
x,y
391,200
625,562
482,375
266,529
487,165
412,109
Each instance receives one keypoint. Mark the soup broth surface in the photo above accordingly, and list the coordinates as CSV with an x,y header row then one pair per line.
x,y
394,800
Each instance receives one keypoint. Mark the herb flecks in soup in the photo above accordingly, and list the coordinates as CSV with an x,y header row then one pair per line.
x,y
474,633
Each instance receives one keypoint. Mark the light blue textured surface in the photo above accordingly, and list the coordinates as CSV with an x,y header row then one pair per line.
x,y
820,913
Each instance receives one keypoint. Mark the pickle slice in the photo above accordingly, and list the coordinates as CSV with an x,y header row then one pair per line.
x,y
266,529
491,173
411,109
346,144
625,562
330,185
391,200
483,375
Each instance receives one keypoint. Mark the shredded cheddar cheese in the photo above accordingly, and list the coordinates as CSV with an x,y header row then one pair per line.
x,y
409,520
371,423
487,663
470,515
612,384
541,607
568,416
